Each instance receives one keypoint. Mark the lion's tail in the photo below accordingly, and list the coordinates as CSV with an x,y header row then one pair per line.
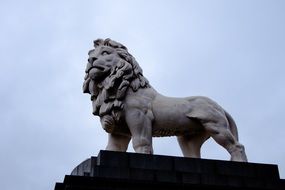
x,y
232,125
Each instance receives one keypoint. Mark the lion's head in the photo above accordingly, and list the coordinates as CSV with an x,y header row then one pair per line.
x,y
111,70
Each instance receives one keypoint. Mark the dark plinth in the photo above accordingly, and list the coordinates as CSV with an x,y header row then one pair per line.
x,y
118,170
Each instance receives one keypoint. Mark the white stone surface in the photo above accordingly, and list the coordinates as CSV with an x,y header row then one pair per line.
x,y
129,108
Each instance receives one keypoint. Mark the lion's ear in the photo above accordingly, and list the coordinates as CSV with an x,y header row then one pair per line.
x,y
98,42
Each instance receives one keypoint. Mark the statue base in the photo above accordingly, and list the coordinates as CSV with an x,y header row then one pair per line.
x,y
120,170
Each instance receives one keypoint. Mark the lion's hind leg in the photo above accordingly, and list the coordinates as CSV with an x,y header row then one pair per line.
x,y
221,133
191,144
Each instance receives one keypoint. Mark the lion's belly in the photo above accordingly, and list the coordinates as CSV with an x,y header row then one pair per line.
x,y
170,117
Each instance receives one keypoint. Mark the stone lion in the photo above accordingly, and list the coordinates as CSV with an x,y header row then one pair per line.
x,y
130,108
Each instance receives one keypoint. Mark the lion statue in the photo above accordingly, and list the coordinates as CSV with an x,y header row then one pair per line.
x,y
130,108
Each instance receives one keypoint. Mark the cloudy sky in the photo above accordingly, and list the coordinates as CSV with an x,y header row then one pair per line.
x,y
232,51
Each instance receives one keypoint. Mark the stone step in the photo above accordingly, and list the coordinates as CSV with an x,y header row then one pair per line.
x,y
120,170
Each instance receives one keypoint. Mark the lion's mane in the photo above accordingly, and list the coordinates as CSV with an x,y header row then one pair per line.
x,y
108,94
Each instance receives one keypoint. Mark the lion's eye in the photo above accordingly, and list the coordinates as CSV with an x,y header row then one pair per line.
x,y
105,53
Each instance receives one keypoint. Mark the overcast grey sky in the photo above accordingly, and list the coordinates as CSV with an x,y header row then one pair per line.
x,y
230,50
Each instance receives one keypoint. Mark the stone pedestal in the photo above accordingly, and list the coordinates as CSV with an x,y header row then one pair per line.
x,y
118,170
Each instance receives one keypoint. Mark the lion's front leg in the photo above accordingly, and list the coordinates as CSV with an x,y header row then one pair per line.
x,y
118,142
141,129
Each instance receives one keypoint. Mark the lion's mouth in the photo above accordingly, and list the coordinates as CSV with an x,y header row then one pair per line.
x,y
97,72
100,68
